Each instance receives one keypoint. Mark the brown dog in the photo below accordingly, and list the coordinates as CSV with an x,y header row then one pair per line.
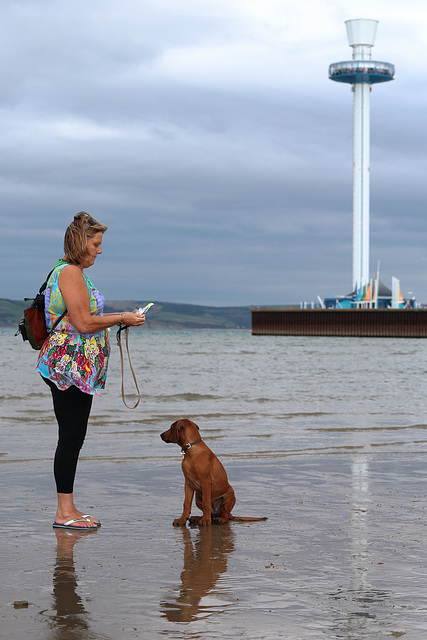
x,y
205,475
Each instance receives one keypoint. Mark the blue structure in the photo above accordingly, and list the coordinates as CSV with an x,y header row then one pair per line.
x,y
375,296
356,71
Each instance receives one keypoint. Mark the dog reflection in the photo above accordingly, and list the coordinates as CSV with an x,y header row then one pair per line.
x,y
71,619
205,559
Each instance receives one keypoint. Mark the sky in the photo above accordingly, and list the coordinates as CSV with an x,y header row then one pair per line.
x,y
207,135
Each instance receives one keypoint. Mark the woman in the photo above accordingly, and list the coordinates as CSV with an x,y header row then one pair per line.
x,y
73,361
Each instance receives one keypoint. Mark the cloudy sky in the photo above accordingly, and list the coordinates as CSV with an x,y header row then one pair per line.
x,y
207,136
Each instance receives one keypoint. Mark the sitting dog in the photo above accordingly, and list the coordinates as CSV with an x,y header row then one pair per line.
x,y
204,475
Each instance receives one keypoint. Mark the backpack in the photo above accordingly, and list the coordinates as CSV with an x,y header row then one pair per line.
x,y
32,326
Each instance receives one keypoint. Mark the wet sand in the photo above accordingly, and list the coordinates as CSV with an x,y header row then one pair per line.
x,y
342,555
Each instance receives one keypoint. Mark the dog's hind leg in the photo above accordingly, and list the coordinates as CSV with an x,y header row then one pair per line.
x,y
228,502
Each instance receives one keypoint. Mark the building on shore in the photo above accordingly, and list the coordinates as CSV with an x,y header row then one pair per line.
x,y
371,309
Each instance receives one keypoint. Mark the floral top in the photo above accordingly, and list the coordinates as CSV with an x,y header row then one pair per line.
x,y
67,356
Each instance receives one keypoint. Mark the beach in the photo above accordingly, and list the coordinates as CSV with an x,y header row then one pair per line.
x,y
326,437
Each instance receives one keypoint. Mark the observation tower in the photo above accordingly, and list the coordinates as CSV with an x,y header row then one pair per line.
x,y
361,72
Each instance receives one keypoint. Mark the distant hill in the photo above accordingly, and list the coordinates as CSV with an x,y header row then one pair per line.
x,y
11,312
169,315
163,315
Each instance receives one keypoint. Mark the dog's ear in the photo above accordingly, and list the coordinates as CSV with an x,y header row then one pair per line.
x,y
176,428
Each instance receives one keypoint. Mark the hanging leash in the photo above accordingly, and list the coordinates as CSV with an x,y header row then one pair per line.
x,y
125,328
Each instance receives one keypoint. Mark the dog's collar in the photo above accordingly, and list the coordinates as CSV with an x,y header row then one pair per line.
x,y
188,446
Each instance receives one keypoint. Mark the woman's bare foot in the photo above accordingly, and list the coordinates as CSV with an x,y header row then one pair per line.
x,y
67,512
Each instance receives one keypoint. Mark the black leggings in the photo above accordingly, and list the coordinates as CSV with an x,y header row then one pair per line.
x,y
72,408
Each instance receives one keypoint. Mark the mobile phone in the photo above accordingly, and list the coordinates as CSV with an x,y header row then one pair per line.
x,y
143,310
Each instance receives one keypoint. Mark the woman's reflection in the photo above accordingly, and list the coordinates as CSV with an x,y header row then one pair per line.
x,y
71,617
205,559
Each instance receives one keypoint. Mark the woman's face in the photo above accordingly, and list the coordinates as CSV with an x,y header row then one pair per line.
x,y
93,250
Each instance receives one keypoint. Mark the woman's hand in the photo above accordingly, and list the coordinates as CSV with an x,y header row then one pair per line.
x,y
133,319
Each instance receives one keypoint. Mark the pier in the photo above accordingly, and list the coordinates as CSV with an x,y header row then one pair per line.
x,y
372,323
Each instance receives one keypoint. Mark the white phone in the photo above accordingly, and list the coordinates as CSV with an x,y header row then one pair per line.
x,y
141,312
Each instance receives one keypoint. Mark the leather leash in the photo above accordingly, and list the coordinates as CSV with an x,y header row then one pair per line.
x,y
125,328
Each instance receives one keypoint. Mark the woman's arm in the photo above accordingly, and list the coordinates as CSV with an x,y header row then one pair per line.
x,y
76,298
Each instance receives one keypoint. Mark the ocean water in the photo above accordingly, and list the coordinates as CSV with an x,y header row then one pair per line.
x,y
324,436
252,395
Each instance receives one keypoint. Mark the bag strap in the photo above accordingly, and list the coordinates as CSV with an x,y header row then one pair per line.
x,y
44,285
57,322
119,342
41,290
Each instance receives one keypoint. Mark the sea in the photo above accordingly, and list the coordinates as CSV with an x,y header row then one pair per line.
x,y
326,437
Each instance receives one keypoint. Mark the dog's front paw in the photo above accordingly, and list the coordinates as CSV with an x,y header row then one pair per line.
x,y
179,522
205,521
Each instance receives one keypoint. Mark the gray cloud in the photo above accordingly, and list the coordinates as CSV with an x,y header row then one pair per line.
x,y
218,152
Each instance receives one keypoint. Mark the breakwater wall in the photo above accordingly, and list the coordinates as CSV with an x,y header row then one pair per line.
x,y
374,323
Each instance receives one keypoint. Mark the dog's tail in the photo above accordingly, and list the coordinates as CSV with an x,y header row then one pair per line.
x,y
247,519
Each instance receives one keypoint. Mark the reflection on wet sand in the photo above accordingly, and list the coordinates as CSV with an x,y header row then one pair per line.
x,y
205,559
361,594
69,619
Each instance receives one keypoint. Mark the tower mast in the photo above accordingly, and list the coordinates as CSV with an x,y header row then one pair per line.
x,y
361,72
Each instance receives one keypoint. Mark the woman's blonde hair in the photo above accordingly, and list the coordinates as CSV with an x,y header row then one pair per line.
x,y
77,234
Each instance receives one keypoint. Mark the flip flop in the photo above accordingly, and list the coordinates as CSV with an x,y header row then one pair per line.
x,y
98,524
69,525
